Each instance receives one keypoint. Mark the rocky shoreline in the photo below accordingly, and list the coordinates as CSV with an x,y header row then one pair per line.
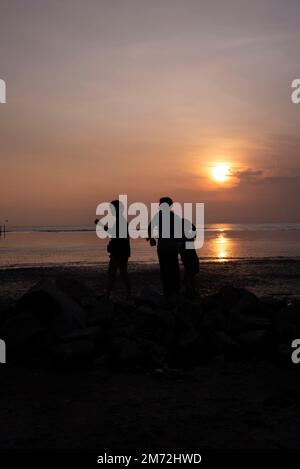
x,y
214,372
62,322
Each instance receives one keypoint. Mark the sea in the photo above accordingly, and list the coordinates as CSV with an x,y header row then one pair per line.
x,y
79,245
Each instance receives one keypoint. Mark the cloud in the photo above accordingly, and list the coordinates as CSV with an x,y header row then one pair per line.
x,y
247,175
255,176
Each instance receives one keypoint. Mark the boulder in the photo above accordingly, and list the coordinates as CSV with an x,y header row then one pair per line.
x,y
75,289
270,307
75,353
24,334
291,313
237,323
53,308
139,353
89,333
238,300
101,312
125,331
154,324
255,341
126,350
189,313
224,344
152,297
153,354
286,332
213,320
283,355
189,339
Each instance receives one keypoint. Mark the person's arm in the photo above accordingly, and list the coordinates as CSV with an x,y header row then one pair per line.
x,y
105,227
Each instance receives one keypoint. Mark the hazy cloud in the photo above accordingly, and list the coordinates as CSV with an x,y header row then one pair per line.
x,y
247,175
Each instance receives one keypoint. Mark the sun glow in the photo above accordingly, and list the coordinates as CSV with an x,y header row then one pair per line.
x,y
222,245
221,172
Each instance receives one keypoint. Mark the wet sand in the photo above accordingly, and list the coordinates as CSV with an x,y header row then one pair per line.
x,y
265,277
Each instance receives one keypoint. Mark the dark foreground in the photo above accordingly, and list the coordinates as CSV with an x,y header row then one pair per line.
x,y
218,405
222,379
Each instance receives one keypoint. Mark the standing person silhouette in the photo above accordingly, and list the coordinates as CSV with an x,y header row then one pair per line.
x,y
189,258
118,249
165,223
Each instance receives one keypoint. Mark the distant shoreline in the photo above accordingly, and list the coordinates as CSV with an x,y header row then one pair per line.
x,y
214,227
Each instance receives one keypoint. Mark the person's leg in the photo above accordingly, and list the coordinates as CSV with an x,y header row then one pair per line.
x,y
125,277
111,275
164,273
174,273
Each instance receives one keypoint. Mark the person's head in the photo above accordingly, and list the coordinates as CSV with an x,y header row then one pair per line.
x,y
166,200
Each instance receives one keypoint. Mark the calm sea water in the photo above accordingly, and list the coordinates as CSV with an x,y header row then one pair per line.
x,y
40,246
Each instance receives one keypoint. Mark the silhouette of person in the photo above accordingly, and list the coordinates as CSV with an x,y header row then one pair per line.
x,y
189,258
118,249
165,223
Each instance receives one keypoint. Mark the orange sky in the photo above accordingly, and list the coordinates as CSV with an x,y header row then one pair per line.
x,y
143,98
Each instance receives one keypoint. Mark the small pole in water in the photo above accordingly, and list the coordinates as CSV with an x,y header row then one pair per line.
x,y
4,228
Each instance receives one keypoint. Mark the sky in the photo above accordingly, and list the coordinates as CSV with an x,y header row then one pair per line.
x,y
139,97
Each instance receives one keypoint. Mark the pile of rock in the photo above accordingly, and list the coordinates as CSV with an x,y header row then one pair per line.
x,y
61,322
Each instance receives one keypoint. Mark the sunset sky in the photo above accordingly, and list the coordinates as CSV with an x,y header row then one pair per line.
x,y
145,98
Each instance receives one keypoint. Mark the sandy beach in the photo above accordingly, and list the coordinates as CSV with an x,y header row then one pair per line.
x,y
265,277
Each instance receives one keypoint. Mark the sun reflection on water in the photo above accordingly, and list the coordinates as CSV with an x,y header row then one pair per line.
x,y
221,247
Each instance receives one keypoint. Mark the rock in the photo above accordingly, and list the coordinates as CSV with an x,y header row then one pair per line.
x,y
154,324
125,306
223,343
255,341
140,353
287,332
189,339
152,297
75,289
284,355
7,310
153,355
237,323
213,320
77,352
127,350
125,331
53,307
270,307
23,334
291,313
89,333
189,313
163,316
238,300
101,312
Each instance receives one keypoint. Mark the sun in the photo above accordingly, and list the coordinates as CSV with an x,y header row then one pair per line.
x,y
220,172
